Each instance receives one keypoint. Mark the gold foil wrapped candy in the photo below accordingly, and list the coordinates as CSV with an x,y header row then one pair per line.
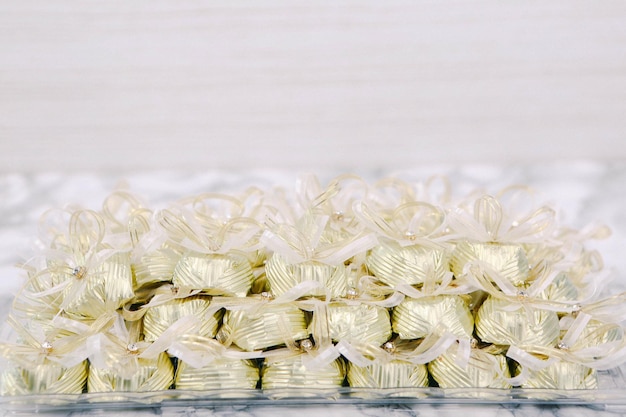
x,y
394,264
45,378
562,375
561,289
264,326
290,372
498,323
309,249
159,318
282,276
153,257
223,374
80,274
415,318
393,374
484,370
515,269
94,290
156,266
215,274
509,260
348,321
48,357
138,376
597,333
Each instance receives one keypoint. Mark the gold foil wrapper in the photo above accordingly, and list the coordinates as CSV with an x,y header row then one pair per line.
x,y
361,323
108,287
282,276
257,258
147,375
266,326
597,333
524,326
536,253
393,374
156,266
507,259
415,318
484,370
159,318
224,374
46,378
561,289
394,264
290,372
214,274
562,375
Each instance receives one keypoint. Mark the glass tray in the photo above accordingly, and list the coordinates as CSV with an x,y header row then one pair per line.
x,y
610,395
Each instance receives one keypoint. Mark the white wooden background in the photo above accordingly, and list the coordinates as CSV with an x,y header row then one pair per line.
x,y
298,84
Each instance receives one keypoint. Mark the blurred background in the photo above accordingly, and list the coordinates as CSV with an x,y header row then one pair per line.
x,y
117,85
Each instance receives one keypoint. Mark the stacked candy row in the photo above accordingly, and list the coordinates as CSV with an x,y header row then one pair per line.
x,y
384,284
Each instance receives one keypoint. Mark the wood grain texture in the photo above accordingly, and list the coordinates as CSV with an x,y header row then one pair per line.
x,y
210,84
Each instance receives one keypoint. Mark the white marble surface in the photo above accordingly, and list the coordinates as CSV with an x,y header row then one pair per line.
x,y
585,191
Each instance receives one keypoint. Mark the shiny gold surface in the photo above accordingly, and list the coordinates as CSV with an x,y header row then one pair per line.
x,y
561,289
508,260
394,264
46,378
524,326
393,374
148,375
290,372
221,374
215,274
562,375
356,322
415,318
269,325
158,318
484,370
282,276
157,266
597,333
108,286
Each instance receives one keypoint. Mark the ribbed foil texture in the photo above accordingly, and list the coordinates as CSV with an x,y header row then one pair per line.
x,y
159,318
393,374
269,325
215,274
257,258
223,374
597,333
291,373
157,266
562,375
46,378
394,264
415,318
561,289
495,324
509,260
108,287
484,370
282,276
150,375
357,322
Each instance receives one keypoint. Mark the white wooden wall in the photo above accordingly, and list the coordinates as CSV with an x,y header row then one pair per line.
x,y
298,84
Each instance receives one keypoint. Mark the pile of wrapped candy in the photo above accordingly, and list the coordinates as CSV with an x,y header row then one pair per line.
x,y
386,285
